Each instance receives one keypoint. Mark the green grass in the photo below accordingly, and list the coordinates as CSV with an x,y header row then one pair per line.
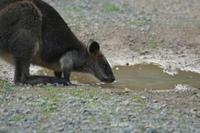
x,y
84,93
49,100
110,7
153,43
50,107
6,86
16,117
140,101
6,89
72,9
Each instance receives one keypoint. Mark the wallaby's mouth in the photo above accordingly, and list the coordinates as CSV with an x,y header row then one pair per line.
x,y
108,80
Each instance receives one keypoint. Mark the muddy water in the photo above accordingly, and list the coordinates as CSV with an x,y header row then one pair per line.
x,y
142,77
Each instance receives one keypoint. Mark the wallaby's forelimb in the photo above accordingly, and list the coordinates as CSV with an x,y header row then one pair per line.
x,y
58,74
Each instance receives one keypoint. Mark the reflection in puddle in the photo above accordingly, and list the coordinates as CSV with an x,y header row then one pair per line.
x,y
142,76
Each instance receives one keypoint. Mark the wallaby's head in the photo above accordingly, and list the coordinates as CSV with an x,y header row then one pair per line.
x,y
98,64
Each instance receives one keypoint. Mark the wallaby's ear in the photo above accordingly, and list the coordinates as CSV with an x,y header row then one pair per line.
x,y
94,47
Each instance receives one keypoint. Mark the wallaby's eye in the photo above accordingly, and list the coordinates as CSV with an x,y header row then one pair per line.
x,y
105,67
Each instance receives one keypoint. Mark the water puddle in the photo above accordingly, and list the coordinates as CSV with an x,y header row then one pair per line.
x,y
142,76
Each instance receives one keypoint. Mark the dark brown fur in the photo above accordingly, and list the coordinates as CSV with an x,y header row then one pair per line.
x,y
32,32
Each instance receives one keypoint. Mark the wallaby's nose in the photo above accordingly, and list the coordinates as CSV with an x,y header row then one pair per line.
x,y
113,79
109,79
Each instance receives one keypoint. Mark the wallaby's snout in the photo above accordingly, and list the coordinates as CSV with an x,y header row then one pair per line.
x,y
108,79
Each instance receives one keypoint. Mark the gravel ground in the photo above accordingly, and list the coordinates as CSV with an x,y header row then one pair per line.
x,y
130,31
86,109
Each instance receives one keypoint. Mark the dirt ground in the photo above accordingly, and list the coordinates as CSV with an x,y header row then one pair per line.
x,y
166,33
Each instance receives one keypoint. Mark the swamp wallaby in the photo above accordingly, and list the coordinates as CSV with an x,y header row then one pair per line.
x,y
32,32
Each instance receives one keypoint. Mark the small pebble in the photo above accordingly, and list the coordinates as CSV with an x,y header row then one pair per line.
x,y
143,97
194,110
151,130
28,111
155,101
61,129
127,90
117,68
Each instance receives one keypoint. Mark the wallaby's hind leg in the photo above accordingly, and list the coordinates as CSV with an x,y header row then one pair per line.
x,y
22,75
21,70
23,48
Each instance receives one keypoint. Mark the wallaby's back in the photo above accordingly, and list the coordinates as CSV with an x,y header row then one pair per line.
x,y
57,37
17,17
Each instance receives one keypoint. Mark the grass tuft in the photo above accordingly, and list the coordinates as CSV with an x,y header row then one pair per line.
x,y
110,7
